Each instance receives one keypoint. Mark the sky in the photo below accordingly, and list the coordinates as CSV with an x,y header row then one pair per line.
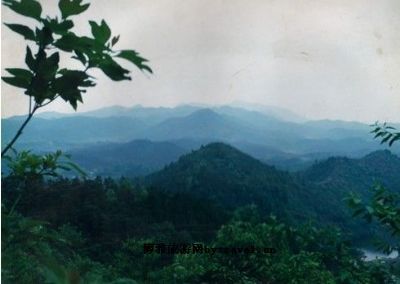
x,y
323,59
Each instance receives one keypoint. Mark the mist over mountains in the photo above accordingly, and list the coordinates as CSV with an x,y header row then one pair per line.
x,y
230,155
272,135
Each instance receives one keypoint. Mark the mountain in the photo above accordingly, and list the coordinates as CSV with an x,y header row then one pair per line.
x,y
139,111
344,174
287,144
202,124
138,157
229,177
151,115
141,157
276,112
67,132
333,179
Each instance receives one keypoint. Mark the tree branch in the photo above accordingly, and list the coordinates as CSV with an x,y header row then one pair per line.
x,y
19,132
28,118
45,104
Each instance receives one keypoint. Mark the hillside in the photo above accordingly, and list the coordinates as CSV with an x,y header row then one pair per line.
x,y
223,174
345,174
231,178
333,179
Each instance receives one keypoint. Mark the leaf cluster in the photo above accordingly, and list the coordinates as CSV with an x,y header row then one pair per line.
x,y
384,208
45,80
386,133
28,166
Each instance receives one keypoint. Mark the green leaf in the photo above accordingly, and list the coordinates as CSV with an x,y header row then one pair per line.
x,y
44,36
134,57
388,136
71,7
71,42
48,67
39,89
30,60
60,28
114,40
71,84
17,82
68,42
394,139
101,33
80,56
28,8
26,32
113,70
18,72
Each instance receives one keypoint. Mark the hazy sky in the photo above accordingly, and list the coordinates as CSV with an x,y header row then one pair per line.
x,y
335,59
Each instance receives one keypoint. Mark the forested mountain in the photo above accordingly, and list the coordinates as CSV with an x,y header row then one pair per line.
x,y
195,187
334,178
232,178
225,175
356,174
201,175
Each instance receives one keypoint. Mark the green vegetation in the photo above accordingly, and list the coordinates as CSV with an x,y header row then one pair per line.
x,y
231,178
95,230
45,80
77,230
387,133
225,175
384,206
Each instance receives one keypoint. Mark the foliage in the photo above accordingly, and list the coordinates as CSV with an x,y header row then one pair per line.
x,y
227,176
304,255
31,252
103,224
384,208
34,253
45,80
384,205
386,133
29,167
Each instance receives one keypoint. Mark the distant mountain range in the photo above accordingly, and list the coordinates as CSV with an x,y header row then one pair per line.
x,y
262,132
135,158
232,155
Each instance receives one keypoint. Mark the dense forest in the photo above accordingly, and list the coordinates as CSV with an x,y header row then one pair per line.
x,y
187,194
96,229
